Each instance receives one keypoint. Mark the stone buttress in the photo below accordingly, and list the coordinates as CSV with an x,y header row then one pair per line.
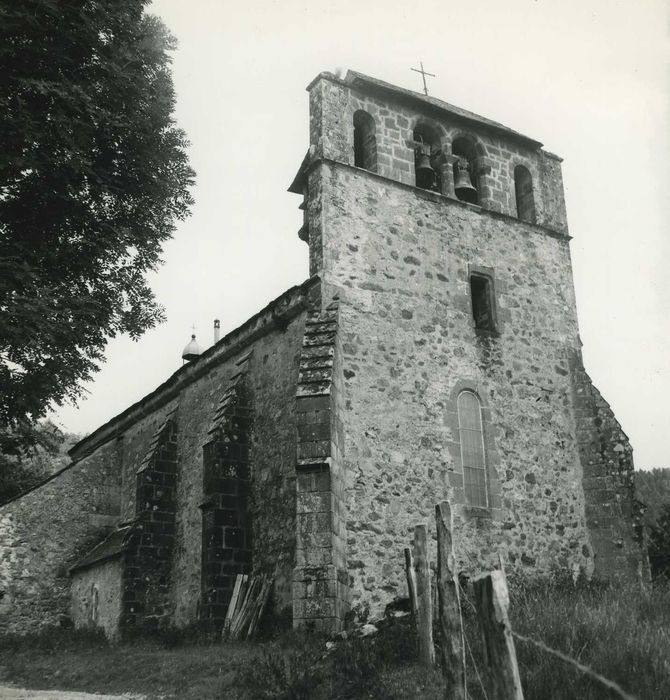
x,y
149,551
226,528
320,592
613,515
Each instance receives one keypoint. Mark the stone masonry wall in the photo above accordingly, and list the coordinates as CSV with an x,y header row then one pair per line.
x,y
612,516
96,597
134,445
399,258
332,106
147,560
272,371
320,590
226,530
48,530
44,532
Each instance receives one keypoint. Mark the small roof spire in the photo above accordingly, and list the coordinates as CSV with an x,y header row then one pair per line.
x,y
192,351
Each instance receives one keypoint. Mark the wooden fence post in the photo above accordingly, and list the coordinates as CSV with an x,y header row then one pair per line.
x,y
411,582
451,627
492,599
424,618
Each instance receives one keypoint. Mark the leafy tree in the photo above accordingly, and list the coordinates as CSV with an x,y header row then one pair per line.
x,y
659,544
93,177
29,454
653,489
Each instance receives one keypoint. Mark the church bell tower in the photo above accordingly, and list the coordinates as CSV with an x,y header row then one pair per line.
x,y
443,234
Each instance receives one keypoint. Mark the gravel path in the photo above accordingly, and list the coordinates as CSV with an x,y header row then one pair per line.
x,y
9,693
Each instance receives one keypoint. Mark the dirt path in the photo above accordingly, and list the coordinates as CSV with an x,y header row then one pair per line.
x,y
9,693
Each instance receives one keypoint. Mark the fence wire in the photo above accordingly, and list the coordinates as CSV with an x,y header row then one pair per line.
x,y
586,670
581,667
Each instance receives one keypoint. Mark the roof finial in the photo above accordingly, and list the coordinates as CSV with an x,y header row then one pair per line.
x,y
192,351
423,75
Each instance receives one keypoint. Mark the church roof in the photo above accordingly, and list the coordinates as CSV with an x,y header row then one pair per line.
x,y
357,79
112,546
287,305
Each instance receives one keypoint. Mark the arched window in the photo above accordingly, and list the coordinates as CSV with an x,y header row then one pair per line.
x,y
365,142
465,170
427,152
473,457
523,190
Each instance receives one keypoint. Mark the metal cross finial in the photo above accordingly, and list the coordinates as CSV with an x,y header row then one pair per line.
x,y
423,75
193,327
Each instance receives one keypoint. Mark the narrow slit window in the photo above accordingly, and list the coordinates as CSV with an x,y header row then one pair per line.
x,y
483,306
473,455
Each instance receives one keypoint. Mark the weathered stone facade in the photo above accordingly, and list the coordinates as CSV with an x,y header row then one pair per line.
x,y
308,443
46,531
400,259
97,594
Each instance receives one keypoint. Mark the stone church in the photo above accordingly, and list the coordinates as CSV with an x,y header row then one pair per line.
x,y
433,354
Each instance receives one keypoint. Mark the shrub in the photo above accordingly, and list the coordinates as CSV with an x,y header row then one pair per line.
x,y
290,668
52,639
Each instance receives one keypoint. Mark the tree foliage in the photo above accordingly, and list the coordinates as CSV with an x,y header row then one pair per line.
x,y
659,544
29,454
93,177
653,489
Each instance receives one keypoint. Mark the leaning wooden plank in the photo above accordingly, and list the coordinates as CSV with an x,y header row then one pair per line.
x,y
244,588
249,611
451,628
239,611
492,599
249,608
232,605
242,616
244,594
265,594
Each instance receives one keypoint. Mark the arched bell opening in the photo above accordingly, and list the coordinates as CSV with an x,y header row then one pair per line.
x,y
427,158
466,181
365,141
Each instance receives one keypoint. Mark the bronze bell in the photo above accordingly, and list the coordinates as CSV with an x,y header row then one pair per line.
x,y
425,175
463,187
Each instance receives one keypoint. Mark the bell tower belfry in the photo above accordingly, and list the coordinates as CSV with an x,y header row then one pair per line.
x,y
444,236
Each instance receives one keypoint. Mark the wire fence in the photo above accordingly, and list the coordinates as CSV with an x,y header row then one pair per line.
x,y
500,678
582,668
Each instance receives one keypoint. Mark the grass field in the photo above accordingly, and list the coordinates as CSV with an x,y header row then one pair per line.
x,y
622,633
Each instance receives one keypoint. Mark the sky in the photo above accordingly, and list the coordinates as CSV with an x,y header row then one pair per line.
x,y
587,78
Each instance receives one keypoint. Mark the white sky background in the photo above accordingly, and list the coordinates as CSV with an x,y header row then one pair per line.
x,y
588,78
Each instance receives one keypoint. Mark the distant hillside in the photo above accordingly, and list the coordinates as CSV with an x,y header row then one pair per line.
x,y
653,489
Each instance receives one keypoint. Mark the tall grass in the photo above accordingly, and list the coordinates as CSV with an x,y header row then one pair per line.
x,y
621,632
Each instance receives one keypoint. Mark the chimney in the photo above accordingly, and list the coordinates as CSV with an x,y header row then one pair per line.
x,y
217,330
